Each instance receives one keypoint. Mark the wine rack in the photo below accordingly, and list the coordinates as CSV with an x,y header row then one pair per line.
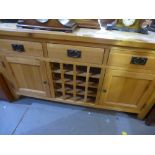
x,y
78,83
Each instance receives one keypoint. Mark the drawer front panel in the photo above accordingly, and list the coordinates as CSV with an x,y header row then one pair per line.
x,y
75,53
132,59
21,47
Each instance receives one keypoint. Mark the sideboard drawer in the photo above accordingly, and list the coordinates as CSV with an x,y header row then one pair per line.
x,y
75,53
21,47
131,59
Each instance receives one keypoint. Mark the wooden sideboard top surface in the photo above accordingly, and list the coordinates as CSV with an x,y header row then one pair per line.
x,y
102,36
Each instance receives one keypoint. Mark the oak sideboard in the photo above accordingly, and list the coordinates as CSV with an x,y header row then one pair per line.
x,y
94,68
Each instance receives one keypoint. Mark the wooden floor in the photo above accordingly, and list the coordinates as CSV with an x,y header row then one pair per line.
x,y
33,116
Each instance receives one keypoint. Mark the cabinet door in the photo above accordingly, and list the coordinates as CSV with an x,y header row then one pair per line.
x,y
30,76
125,90
4,69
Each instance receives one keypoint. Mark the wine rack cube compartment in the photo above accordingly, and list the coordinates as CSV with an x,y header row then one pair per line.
x,y
78,83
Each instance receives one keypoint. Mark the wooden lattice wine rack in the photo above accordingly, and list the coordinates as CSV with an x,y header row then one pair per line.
x,y
78,83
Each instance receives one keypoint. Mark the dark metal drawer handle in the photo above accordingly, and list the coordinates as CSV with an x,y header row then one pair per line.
x,y
74,53
18,47
138,60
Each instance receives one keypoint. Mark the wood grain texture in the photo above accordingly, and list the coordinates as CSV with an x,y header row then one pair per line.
x,y
100,85
28,76
63,80
22,60
5,93
125,89
45,52
9,78
88,54
44,77
87,23
147,106
50,79
86,86
114,38
30,48
59,101
122,58
74,81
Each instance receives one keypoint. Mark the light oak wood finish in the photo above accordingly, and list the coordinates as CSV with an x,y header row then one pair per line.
x,y
60,100
125,89
86,86
74,81
45,52
88,54
29,76
5,92
115,38
148,106
50,82
30,48
62,79
7,74
122,58
7,88
72,88
100,85
119,85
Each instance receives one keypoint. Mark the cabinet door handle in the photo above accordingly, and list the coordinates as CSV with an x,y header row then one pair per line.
x,y
138,60
18,47
73,53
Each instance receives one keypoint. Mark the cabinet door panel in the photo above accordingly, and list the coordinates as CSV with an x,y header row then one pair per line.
x,y
30,76
124,89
